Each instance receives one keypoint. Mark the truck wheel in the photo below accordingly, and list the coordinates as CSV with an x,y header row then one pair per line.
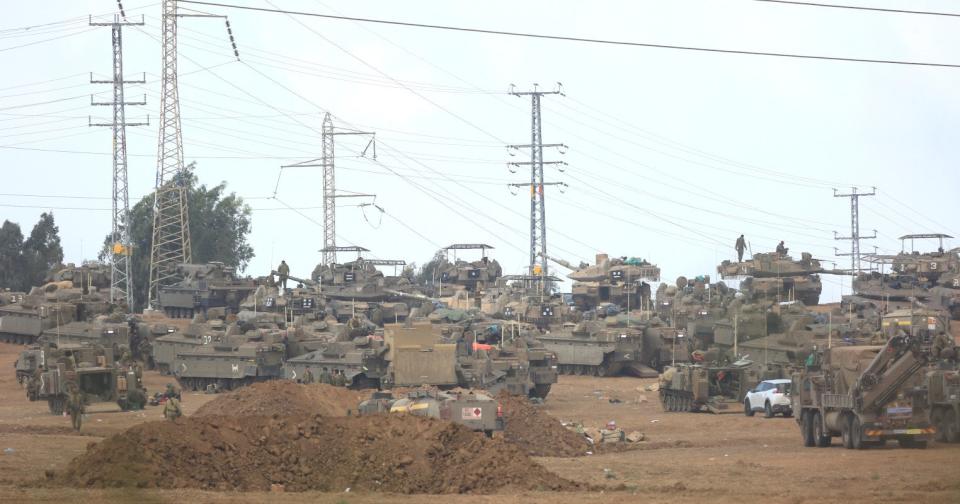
x,y
747,409
846,432
856,434
806,428
822,438
951,431
767,410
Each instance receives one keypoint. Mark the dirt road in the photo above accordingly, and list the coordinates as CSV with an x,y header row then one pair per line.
x,y
686,458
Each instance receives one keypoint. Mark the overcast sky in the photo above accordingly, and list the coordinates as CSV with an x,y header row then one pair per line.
x,y
672,154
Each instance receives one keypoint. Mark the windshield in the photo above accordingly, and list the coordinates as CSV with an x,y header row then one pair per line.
x,y
783,388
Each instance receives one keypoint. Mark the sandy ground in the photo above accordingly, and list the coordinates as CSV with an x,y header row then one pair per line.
x,y
687,457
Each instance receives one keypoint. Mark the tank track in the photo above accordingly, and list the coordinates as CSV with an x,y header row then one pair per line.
x,y
677,400
17,339
584,369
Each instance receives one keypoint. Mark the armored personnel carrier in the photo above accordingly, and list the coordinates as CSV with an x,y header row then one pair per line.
x,y
166,348
97,332
717,389
233,362
592,348
204,286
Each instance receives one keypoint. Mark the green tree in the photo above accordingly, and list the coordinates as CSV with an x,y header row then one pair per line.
x,y
42,251
11,256
219,225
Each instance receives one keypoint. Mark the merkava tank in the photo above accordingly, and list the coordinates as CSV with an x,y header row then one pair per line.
x,y
524,298
471,276
358,287
932,277
714,388
204,286
624,281
361,361
304,299
777,276
54,304
89,275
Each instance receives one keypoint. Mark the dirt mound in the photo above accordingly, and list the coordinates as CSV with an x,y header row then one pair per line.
x,y
285,397
402,454
536,432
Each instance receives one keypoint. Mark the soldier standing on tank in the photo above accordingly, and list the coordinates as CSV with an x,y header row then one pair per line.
x,y
740,246
284,271
781,249
75,405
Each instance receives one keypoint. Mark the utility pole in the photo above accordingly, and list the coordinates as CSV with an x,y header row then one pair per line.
x,y
855,236
121,280
171,224
538,217
328,163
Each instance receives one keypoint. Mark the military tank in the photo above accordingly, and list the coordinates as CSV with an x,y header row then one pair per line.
x,y
624,281
47,307
458,274
165,348
97,332
360,360
778,276
204,286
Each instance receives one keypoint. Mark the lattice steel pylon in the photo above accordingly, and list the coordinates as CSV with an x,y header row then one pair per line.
x,y
538,212
329,193
855,236
121,281
171,225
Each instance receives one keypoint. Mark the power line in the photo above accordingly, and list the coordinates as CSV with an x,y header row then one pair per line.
x,y
577,39
861,8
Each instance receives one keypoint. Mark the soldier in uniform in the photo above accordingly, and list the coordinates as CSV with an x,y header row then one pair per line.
x,y
171,409
943,347
75,405
781,249
308,377
740,246
325,376
339,380
284,272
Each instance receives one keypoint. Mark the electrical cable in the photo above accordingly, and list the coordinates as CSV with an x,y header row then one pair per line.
x,y
575,39
861,8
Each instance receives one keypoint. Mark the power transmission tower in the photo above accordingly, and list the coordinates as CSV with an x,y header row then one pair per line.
x,y
855,236
328,163
538,211
171,224
121,281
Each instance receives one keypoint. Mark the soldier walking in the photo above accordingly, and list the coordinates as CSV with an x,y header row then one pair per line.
x,y
75,405
284,271
740,246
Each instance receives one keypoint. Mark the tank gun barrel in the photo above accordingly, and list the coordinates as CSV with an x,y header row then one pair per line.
x,y
561,262
408,295
304,281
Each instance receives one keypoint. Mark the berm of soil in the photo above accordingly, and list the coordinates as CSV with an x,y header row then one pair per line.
x,y
402,454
